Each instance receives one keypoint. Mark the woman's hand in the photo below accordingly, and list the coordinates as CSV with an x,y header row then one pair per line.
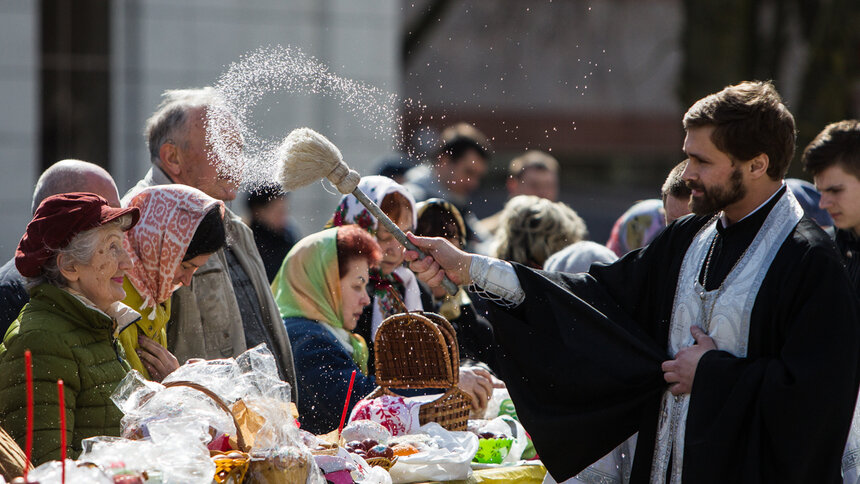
x,y
155,358
478,384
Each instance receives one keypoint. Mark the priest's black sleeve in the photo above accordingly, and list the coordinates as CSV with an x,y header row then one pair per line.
x,y
581,355
579,374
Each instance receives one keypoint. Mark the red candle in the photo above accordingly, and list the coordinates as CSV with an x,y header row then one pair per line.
x,y
28,368
346,404
62,400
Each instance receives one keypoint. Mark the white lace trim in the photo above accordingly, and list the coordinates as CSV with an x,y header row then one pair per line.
x,y
495,280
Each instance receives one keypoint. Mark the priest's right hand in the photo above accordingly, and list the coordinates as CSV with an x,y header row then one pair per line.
x,y
442,259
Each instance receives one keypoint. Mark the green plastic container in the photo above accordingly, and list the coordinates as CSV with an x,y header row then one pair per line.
x,y
492,451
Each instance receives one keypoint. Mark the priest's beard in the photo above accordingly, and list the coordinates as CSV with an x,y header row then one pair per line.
x,y
716,198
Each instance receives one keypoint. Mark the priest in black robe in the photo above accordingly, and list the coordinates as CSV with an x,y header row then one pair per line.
x,y
730,343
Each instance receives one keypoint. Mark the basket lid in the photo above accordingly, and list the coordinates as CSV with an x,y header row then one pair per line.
x,y
412,351
450,339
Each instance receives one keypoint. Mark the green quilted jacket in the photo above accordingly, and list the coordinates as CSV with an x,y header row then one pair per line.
x,y
68,341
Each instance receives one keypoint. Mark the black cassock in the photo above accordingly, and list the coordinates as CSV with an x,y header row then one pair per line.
x,y
582,354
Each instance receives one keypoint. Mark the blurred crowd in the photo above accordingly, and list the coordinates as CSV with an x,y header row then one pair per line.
x,y
103,283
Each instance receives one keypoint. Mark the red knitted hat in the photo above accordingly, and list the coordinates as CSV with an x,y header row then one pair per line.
x,y
57,220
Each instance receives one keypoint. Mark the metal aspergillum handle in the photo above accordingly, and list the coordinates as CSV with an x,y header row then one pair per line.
x,y
398,234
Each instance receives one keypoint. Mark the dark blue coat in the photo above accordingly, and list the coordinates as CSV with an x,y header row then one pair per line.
x,y
323,369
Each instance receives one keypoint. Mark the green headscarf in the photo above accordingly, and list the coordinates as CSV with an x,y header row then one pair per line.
x,y
308,286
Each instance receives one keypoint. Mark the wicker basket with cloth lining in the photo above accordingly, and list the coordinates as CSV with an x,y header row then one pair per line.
x,y
419,350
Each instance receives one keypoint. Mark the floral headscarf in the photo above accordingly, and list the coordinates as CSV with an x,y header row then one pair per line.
x,y
637,227
308,286
351,211
169,216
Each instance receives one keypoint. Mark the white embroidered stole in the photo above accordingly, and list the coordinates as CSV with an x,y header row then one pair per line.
x,y
723,313
851,455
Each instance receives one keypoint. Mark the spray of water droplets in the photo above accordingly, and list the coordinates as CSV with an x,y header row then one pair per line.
x,y
282,69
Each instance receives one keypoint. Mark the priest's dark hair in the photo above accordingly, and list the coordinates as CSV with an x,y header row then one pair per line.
x,y
209,236
837,144
749,119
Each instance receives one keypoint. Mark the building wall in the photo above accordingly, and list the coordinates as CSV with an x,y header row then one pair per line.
x,y
160,44
592,82
580,77
19,105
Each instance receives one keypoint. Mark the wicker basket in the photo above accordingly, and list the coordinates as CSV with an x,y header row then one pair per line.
x,y
326,450
253,469
13,461
280,469
230,470
383,462
419,350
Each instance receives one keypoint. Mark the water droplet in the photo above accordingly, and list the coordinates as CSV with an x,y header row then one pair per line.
x,y
285,69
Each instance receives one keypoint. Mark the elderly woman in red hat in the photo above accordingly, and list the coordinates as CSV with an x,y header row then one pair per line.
x,y
73,258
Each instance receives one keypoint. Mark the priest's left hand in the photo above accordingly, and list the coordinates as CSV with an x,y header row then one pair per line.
x,y
679,373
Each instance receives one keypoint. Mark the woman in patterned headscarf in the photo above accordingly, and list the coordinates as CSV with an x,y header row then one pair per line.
x,y
396,202
321,293
179,228
637,227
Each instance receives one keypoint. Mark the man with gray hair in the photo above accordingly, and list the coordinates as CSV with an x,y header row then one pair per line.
x,y
228,307
62,177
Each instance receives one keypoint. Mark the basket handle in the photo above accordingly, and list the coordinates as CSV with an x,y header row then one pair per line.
x,y
240,440
401,306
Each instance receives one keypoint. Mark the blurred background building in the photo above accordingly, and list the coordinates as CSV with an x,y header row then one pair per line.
x,y
602,85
